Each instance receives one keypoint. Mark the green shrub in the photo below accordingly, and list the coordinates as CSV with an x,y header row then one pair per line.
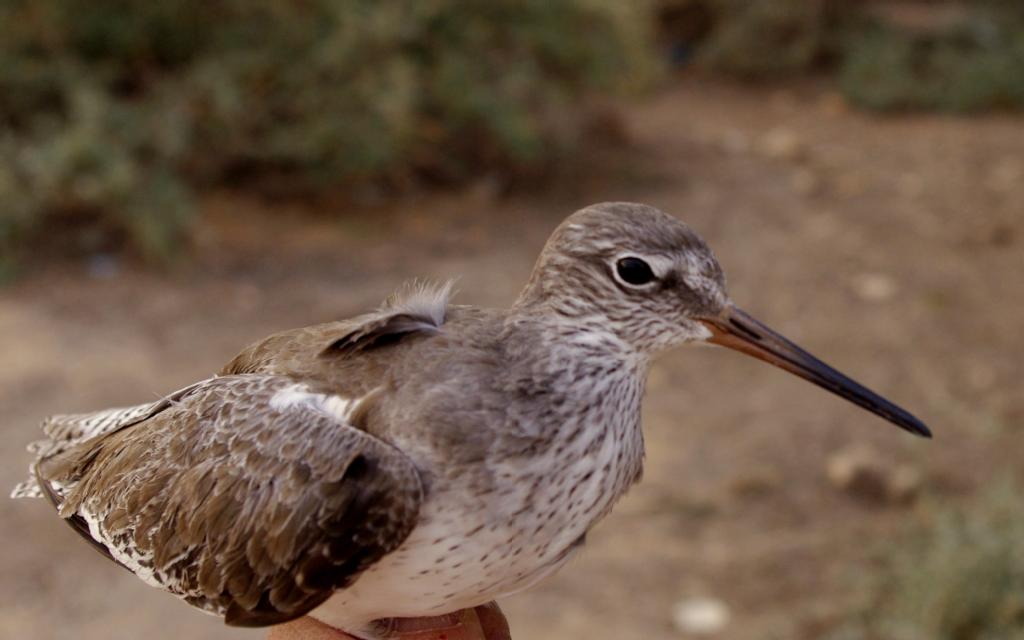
x,y
960,577
976,65
765,38
112,110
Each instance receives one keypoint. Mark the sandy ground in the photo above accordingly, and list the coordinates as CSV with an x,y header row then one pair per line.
x,y
893,248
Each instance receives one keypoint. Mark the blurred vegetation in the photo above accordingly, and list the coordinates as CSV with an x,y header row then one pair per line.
x,y
967,65
947,56
960,577
112,110
759,39
112,113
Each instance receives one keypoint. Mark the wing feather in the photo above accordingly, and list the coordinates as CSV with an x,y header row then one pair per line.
x,y
248,496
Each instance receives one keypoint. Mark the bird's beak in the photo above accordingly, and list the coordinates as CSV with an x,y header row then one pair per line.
x,y
735,329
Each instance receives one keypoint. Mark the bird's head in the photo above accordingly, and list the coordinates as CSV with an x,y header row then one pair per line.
x,y
650,280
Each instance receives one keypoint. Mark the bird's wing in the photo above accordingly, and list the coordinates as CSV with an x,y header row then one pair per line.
x,y
250,496
66,431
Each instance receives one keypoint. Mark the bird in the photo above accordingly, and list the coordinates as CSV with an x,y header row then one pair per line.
x,y
420,459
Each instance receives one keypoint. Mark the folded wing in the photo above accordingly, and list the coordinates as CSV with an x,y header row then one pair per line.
x,y
251,496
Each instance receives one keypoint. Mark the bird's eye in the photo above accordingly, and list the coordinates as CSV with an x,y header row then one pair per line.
x,y
634,271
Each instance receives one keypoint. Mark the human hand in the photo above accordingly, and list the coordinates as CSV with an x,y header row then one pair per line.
x,y
485,622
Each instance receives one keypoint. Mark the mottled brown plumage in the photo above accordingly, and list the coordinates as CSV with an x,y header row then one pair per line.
x,y
256,515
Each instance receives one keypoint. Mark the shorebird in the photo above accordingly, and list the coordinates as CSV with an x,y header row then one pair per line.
x,y
417,460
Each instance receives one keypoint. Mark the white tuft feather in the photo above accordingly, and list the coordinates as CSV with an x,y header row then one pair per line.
x,y
427,300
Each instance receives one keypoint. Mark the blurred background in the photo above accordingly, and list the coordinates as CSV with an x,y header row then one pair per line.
x,y
180,178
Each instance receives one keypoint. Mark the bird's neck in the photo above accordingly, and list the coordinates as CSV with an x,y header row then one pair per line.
x,y
559,288
591,384
580,363
574,336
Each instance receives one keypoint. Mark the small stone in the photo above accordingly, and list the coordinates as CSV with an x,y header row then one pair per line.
x,y
904,485
782,144
858,473
701,616
875,287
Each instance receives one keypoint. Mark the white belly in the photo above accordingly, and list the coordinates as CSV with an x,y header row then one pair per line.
x,y
469,551
428,577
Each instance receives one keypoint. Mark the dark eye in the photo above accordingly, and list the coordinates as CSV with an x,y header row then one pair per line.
x,y
634,271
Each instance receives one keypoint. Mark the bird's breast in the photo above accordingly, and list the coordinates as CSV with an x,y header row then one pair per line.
x,y
503,522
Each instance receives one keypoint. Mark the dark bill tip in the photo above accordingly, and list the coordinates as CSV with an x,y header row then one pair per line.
x,y
737,330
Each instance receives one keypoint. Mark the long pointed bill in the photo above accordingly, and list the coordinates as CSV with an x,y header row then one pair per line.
x,y
734,329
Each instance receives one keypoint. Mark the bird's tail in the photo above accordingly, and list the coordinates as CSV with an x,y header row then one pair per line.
x,y
66,431
63,432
